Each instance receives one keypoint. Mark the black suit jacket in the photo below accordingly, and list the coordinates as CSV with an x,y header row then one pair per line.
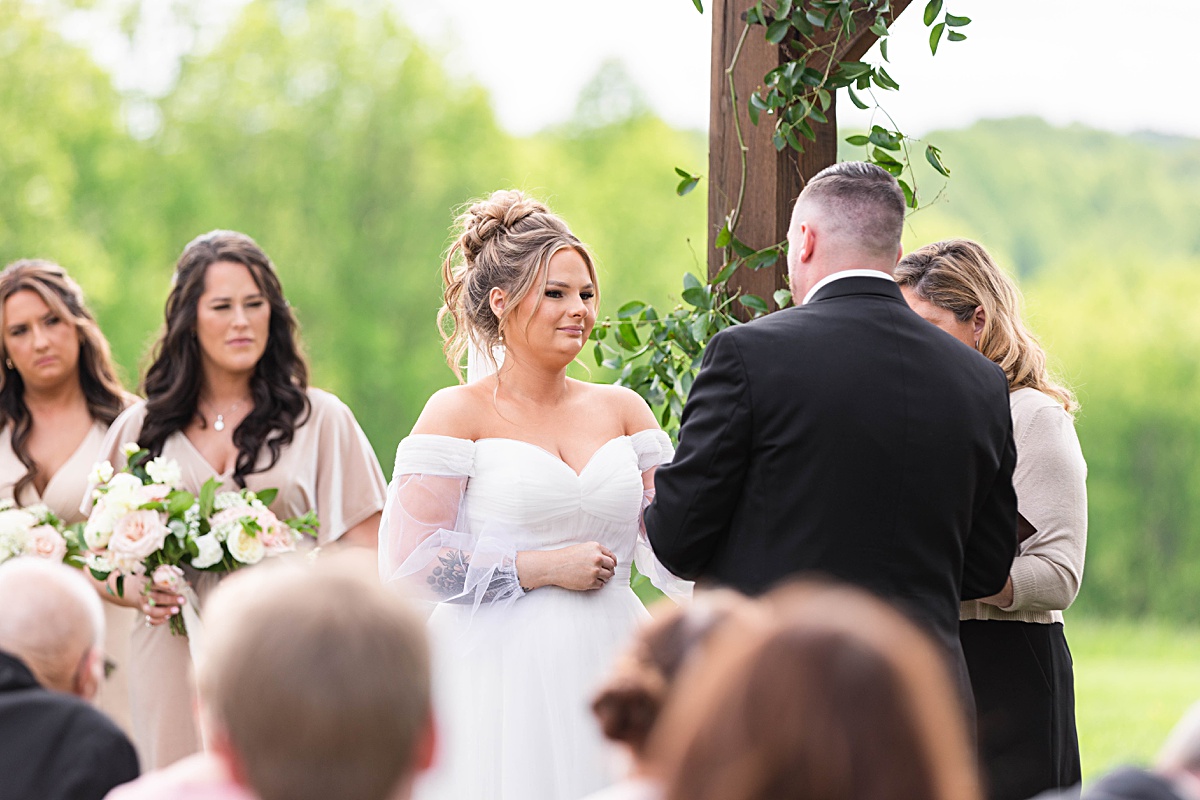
x,y
847,437
55,746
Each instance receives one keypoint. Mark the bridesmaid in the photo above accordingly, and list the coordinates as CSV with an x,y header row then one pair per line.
x,y
227,396
58,394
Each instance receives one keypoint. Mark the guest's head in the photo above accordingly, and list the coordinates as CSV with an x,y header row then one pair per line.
x,y
838,697
315,682
956,285
227,318
629,702
53,622
516,276
1181,752
849,216
49,339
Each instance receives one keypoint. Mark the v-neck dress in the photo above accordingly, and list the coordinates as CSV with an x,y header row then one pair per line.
x,y
329,466
63,495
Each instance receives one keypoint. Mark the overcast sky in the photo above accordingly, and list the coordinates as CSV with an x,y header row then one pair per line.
x,y
1065,60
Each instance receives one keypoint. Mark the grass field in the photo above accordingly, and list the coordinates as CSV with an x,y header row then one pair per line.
x,y
1133,681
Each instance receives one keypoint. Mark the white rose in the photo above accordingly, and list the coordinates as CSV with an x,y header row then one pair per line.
x,y
16,521
245,547
210,551
101,473
6,504
129,448
99,526
163,471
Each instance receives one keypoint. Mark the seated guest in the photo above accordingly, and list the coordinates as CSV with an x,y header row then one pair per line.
x,y
837,696
629,701
302,698
54,745
1176,773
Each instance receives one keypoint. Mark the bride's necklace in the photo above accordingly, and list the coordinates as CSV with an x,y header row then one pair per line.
x,y
219,423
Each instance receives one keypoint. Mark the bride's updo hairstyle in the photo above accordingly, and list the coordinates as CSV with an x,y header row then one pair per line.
x,y
629,701
504,242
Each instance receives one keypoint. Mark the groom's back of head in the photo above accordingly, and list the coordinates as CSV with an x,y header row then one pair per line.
x,y
315,682
858,206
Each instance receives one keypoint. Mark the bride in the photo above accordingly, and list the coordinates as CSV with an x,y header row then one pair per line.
x,y
515,506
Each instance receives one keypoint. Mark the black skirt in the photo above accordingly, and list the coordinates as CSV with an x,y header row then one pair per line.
x,y
1024,687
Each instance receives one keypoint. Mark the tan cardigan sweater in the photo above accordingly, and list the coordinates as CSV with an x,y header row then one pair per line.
x,y
1050,481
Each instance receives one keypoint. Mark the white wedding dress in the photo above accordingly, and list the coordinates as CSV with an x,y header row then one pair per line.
x,y
514,672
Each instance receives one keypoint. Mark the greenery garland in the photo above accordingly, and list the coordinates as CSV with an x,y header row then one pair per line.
x,y
658,353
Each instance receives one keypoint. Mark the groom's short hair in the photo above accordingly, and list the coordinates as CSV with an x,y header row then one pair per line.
x,y
318,678
863,203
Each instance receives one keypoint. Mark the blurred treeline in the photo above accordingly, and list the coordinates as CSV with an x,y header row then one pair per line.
x,y
335,138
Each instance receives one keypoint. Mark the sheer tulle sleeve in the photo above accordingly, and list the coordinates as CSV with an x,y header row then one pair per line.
x,y
653,448
421,541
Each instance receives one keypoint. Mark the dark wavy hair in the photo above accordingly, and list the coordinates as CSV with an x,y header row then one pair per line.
x,y
97,373
174,378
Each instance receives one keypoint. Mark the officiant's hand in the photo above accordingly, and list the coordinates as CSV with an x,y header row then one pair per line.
x,y
580,567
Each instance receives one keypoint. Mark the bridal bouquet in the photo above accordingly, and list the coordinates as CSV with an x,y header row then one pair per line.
x,y
37,531
142,524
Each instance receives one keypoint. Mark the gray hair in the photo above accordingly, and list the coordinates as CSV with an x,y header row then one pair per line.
x,y
52,618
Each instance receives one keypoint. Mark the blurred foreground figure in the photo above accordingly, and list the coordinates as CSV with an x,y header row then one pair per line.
x,y
1176,773
644,677
53,744
314,684
836,696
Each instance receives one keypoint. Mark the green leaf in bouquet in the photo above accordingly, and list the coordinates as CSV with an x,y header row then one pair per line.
x,y
178,502
266,496
100,576
208,494
306,525
120,585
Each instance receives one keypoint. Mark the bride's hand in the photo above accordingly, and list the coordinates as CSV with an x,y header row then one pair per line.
x,y
580,567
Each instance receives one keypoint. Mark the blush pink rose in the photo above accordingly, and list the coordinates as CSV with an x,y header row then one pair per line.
x,y
153,493
168,577
45,542
276,537
136,535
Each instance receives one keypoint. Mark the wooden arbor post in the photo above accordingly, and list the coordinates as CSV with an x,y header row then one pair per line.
x,y
773,177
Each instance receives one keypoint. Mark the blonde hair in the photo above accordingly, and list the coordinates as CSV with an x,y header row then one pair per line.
x,y
838,697
319,677
959,275
505,242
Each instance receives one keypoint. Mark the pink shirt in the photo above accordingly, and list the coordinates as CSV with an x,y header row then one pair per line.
x,y
198,777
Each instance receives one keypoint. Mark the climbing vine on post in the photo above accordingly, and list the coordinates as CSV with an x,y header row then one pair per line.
x,y
658,353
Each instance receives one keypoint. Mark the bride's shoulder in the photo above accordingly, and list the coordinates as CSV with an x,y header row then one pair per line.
x,y
452,411
635,414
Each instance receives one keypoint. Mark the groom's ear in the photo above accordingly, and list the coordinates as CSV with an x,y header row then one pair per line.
x,y
496,300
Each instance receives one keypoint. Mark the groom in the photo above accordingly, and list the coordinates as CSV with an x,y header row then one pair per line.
x,y
846,436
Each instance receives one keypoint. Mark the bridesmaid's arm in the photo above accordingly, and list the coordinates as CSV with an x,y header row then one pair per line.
x,y
364,534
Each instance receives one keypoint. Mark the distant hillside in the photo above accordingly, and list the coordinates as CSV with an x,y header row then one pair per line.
x,y
1038,194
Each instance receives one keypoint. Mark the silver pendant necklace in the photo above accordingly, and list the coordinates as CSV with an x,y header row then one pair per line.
x,y
219,423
